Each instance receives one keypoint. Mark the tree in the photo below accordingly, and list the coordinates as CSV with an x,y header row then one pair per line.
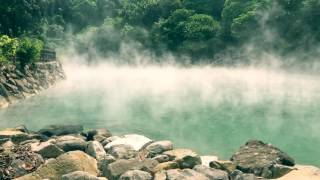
x,y
201,27
241,17
147,12
187,32
21,16
210,7
311,16
171,31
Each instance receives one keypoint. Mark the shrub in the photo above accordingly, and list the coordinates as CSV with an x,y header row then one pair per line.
x,y
29,50
8,48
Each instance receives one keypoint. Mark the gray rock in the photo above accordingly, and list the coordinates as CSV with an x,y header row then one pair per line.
x,y
3,91
166,166
114,170
212,174
159,147
186,158
134,140
8,145
162,158
9,133
4,140
22,128
122,151
227,166
46,149
186,174
18,135
58,130
22,85
98,135
162,175
109,140
136,175
261,159
11,88
105,161
19,138
96,150
71,143
238,175
80,175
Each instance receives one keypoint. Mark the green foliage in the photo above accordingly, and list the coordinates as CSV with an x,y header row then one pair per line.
x,y
29,50
147,12
8,48
241,17
172,30
187,32
21,16
199,28
210,7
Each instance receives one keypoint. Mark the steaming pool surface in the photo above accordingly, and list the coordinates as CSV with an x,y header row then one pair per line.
x,y
210,110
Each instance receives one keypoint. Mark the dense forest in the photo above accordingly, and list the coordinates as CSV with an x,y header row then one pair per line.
x,y
200,29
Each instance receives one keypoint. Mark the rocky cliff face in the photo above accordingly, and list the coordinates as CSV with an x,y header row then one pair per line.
x,y
17,84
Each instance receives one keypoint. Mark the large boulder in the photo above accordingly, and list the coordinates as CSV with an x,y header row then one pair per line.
x,y
122,151
71,143
114,170
136,175
58,130
80,175
186,158
262,159
69,162
19,138
212,174
134,140
186,174
46,149
9,133
166,166
159,147
96,150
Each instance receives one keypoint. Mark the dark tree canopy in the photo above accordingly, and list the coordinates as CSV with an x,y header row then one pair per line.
x,y
198,28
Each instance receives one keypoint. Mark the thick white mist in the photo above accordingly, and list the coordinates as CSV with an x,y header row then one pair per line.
x,y
210,109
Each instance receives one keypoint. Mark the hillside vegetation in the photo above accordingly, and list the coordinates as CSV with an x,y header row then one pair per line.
x,y
200,29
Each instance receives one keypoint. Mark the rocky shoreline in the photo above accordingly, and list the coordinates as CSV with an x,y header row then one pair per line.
x,y
68,152
17,84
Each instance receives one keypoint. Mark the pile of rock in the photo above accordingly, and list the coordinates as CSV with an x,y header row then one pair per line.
x,y
69,153
16,84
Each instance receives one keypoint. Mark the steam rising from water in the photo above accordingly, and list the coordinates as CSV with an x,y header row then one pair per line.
x,y
211,109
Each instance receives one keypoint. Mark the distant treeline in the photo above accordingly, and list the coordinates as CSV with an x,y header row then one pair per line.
x,y
202,29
